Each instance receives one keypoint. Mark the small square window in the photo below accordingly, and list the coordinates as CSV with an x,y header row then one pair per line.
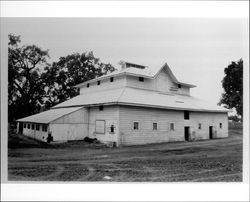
x,y
44,128
136,126
179,85
199,126
154,126
171,126
141,79
220,125
111,79
101,108
87,85
37,127
33,126
98,83
186,115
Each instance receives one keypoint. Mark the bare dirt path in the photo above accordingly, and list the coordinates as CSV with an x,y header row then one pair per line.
x,y
210,160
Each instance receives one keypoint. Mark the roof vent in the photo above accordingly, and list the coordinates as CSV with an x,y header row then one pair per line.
x,y
129,64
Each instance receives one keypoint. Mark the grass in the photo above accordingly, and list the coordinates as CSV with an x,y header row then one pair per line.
x,y
218,160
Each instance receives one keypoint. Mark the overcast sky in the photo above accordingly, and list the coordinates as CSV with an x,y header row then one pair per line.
x,y
197,50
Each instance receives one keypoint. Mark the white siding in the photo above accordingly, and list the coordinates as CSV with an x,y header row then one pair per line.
x,y
110,115
39,135
73,126
146,117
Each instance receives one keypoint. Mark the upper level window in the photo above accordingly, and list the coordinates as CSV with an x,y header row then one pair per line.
x,y
111,79
186,115
24,125
28,126
87,85
141,79
136,125
33,126
44,128
179,85
220,125
101,108
199,126
37,127
154,126
98,82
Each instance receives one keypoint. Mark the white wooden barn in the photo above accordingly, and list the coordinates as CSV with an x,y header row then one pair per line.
x,y
134,105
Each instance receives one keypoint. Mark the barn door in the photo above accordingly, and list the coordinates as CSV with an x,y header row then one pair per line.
x,y
186,132
210,132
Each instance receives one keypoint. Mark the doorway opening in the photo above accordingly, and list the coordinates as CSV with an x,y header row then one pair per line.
x,y
210,132
186,130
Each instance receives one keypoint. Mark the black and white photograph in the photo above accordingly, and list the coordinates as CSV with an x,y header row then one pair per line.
x,y
125,100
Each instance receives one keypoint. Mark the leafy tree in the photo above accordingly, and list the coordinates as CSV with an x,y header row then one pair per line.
x,y
70,71
233,87
25,86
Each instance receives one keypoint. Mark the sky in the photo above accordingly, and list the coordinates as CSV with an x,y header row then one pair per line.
x,y
196,49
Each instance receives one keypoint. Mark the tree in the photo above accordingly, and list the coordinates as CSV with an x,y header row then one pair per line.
x,y
25,86
70,71
233,87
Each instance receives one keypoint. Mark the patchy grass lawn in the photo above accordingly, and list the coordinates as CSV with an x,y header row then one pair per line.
x,y
202,161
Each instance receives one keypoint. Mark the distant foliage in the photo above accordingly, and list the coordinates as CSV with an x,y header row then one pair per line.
x,y
73,69
35,85
233,87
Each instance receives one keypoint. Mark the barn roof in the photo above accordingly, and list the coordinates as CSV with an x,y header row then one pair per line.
x,y
49,116
146,73
139,97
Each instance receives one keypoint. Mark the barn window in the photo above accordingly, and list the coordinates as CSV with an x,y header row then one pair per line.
x,y
136,126
28,126
199,126
98,83
33,126
87,85
101,108
154,126
179,85
44,128
220,125
111,79
171,126
100,126
24,125
37,127
186,115
141,79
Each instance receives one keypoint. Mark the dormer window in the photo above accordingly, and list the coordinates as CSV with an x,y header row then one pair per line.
x,y
98,83
111,79
141,79
87,85
179,85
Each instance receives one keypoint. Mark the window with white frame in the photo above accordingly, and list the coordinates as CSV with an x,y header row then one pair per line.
x,y
37,127
100,126
171,126
136,125
44,128
155,126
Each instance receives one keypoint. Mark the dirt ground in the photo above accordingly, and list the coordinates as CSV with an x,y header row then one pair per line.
x,y
201,161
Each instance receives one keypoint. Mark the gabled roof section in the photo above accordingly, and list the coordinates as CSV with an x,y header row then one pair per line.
x,y
139,72
49,116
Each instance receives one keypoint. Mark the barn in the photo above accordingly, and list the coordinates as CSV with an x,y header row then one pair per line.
x,y
131,106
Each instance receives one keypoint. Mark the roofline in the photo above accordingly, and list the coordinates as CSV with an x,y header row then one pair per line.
x,y
149,106
140,75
